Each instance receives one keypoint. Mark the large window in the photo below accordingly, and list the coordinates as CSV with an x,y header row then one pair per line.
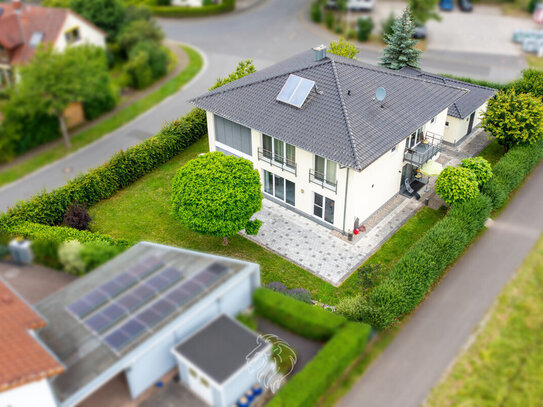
x,y
233,135
279,187
414,139
279,151
323,208
325,170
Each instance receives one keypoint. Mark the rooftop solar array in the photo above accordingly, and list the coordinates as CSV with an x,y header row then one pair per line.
x,y
295,90
136,300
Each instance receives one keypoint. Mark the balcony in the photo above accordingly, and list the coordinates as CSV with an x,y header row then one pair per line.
x,y
278,161
318,178
424,151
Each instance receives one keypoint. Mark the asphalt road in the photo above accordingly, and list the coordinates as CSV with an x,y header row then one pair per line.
x,y
268,32
415,361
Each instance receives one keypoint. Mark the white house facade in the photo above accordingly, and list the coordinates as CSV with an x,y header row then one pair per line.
x,y
333,139
32,394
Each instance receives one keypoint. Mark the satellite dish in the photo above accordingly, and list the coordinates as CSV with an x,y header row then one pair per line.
x,y
380,94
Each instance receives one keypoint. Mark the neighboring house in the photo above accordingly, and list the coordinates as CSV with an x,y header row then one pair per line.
x,y
465,114
133,315
190,3
24,26
25,364
324,145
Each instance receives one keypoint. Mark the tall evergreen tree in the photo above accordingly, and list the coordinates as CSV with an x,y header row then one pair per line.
x,y
400,50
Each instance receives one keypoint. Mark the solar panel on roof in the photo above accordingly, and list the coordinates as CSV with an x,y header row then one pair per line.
x,y
179,296
133,328
117,339
295,90
149,317
98,322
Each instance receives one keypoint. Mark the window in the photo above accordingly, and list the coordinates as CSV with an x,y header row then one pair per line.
x,y
281,152
393,149
72,35
204,382
192,372
433,120
233,135
446,124
279,187
325,170
414,139
323,208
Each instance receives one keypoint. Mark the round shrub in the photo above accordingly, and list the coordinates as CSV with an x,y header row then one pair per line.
x,y
365,26
69,256
329,20
531,82
77,217
480,167
456,184
514,118
216,194
253,226
315,12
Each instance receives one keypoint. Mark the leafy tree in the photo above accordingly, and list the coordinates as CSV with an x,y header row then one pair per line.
x,y
423,10
139,31
315,12
457,184
365,26
387,25
329,19
106,14
514,118
77,216
53,80
217,195
480,167
136,12
531,82
344,48
56,3
244,68
400,50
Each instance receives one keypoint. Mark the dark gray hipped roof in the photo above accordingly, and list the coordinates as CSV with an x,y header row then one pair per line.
x,y
344,123
220,348
468,103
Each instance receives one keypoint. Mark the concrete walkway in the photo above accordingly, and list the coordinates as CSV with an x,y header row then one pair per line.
x,y
428,343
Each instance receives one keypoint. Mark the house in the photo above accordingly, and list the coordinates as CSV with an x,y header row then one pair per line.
x,y
24,26
190,3
334,139
465,114
25,364
124,320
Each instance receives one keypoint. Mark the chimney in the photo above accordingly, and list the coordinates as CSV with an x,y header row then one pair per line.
x,y
320,52
17,5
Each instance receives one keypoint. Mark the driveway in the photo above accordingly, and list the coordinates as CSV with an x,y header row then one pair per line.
x,y
428,343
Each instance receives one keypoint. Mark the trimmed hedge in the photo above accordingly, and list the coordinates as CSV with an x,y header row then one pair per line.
x,y
184,12
510,171
125,167
420,267
308,386
296,316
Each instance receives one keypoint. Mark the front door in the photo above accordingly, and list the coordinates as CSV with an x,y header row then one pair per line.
x,y
323,208
470,125
407,173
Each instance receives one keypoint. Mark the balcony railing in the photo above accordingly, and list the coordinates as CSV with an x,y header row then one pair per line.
x,y
424,151
277,160
318,178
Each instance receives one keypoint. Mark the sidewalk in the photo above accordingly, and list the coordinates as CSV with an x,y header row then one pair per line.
x,y
415,361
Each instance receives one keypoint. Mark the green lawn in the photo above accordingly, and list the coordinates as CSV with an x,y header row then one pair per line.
x,y
504,365
107,126
142,212
493,152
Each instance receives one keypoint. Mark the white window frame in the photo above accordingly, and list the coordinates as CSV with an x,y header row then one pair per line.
x,y
418,138
273,153
273,187
325,174
323,208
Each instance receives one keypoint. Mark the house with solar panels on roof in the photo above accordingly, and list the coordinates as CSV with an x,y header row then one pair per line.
x,y
334,139
148,311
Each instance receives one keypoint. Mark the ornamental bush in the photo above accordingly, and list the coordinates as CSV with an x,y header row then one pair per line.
x,y
480,167
68,254
315,12
531,82
365,26
77,217
514,118
216,194
456,184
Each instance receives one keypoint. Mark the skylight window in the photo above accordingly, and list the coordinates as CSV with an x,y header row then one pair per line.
x,y
36,38
295,90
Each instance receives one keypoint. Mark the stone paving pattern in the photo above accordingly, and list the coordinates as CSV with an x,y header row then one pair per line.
x,y
329,255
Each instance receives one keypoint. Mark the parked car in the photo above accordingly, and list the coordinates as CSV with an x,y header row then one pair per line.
x,y
362,5
420,32
446,5
465,5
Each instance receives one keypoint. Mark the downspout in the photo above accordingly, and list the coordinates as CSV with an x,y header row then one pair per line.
x,y
345,202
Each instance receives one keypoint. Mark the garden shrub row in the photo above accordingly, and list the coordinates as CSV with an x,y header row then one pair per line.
x,y
125,167
421,266
511,170
313,381
296,316
181,11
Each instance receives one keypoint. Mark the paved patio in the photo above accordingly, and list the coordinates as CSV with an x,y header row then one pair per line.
x,y
326,253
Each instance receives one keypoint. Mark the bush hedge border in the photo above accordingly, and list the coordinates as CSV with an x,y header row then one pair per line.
x,y
187,12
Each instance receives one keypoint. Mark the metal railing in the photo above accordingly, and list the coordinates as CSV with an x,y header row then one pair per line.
x,y
277,161
318,178
424,151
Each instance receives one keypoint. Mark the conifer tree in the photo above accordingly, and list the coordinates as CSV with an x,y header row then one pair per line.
x,y
400,50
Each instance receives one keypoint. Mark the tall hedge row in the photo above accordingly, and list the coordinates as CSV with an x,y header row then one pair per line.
x,y
511,170
125,167
181,11
308,386
296,316
411,278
